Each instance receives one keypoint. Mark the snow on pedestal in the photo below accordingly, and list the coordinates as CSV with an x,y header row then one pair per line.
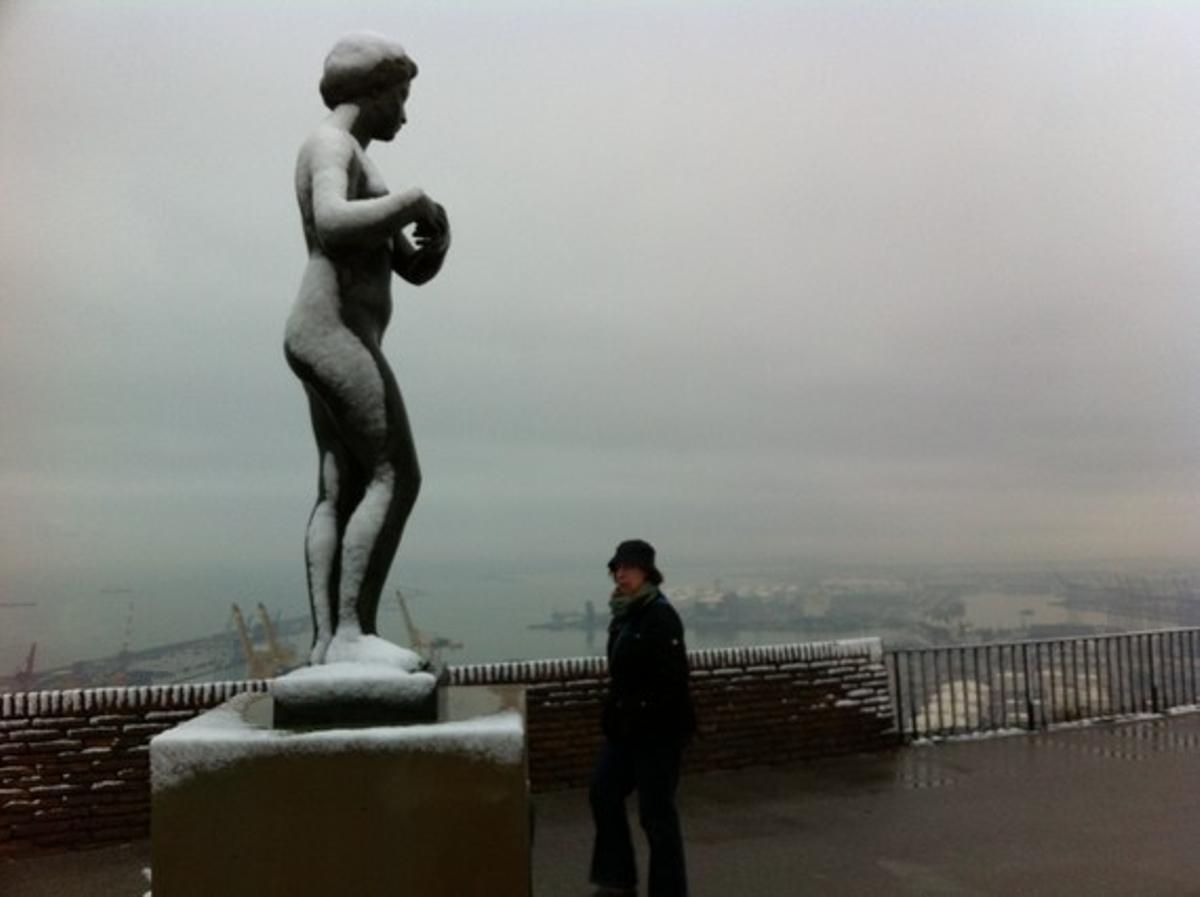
x,y
352,693
341,681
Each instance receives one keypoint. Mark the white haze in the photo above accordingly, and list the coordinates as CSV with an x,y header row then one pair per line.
x,y
756,281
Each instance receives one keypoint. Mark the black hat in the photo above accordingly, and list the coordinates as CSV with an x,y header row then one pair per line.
x,y
636,553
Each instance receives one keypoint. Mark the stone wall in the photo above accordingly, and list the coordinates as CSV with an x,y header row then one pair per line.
x,y
74,765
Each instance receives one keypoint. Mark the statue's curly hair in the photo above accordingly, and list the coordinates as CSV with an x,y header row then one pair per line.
x,y
362,63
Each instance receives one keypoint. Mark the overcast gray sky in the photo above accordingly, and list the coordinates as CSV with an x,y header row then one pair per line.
x,y
859,281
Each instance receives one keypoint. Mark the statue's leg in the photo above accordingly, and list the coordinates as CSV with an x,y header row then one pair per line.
x,y
350,380
404,475
338,488
347,407
373,531
320,553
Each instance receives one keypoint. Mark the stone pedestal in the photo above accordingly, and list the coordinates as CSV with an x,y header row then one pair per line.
x,y
240,808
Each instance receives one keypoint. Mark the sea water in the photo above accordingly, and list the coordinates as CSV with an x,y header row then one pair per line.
x,y
491,609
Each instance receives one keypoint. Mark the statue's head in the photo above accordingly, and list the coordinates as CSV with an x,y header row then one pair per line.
x,y
362,64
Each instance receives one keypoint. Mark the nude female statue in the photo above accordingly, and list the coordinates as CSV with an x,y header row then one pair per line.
x,y
357,235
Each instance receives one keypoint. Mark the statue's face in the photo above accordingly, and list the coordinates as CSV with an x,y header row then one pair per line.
x,y
391,111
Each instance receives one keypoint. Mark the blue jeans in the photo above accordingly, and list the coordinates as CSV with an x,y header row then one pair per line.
x,y
652,768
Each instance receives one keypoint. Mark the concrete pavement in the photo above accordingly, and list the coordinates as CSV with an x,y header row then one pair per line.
x,y
1105,810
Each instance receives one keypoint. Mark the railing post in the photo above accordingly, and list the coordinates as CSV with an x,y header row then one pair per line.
x,y
1192,662
1127,641
912,691
1154,691
950,683
898,699
1111,686
979,692
1003,689
937,689
1087,678
1029,721
1080,712
1181,673
1058,694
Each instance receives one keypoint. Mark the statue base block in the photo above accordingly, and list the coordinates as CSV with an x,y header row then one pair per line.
x,y
240,808
335,695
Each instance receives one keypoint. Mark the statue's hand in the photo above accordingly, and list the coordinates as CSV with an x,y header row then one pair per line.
x,y
432,233
419,259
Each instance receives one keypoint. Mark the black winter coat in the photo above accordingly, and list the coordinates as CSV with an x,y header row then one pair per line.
x,y
648,695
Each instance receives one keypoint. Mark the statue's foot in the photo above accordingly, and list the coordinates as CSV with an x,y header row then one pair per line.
x,y
317,655
354,647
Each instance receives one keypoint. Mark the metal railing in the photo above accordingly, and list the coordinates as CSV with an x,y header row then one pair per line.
x,y
963,689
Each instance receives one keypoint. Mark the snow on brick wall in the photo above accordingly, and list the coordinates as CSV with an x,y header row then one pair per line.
x,y
74,765
761,704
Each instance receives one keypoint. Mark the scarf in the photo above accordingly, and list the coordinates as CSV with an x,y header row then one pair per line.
x,y
621,604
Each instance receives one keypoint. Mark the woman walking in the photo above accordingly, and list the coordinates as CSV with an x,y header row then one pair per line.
x,y
647,720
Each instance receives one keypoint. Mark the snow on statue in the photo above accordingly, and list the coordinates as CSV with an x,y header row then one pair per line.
x,y
357,234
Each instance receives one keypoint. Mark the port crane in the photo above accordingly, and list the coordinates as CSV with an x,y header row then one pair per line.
x,y
430,648
268,662
284,654
120,676
24,675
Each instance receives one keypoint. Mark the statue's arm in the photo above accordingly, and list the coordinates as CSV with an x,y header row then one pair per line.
x,y
421,263
341,221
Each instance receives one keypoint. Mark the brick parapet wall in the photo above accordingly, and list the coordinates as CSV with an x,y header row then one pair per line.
x,y
74,765
755,705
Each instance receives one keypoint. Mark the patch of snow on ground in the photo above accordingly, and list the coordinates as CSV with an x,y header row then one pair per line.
x,y
1142,717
